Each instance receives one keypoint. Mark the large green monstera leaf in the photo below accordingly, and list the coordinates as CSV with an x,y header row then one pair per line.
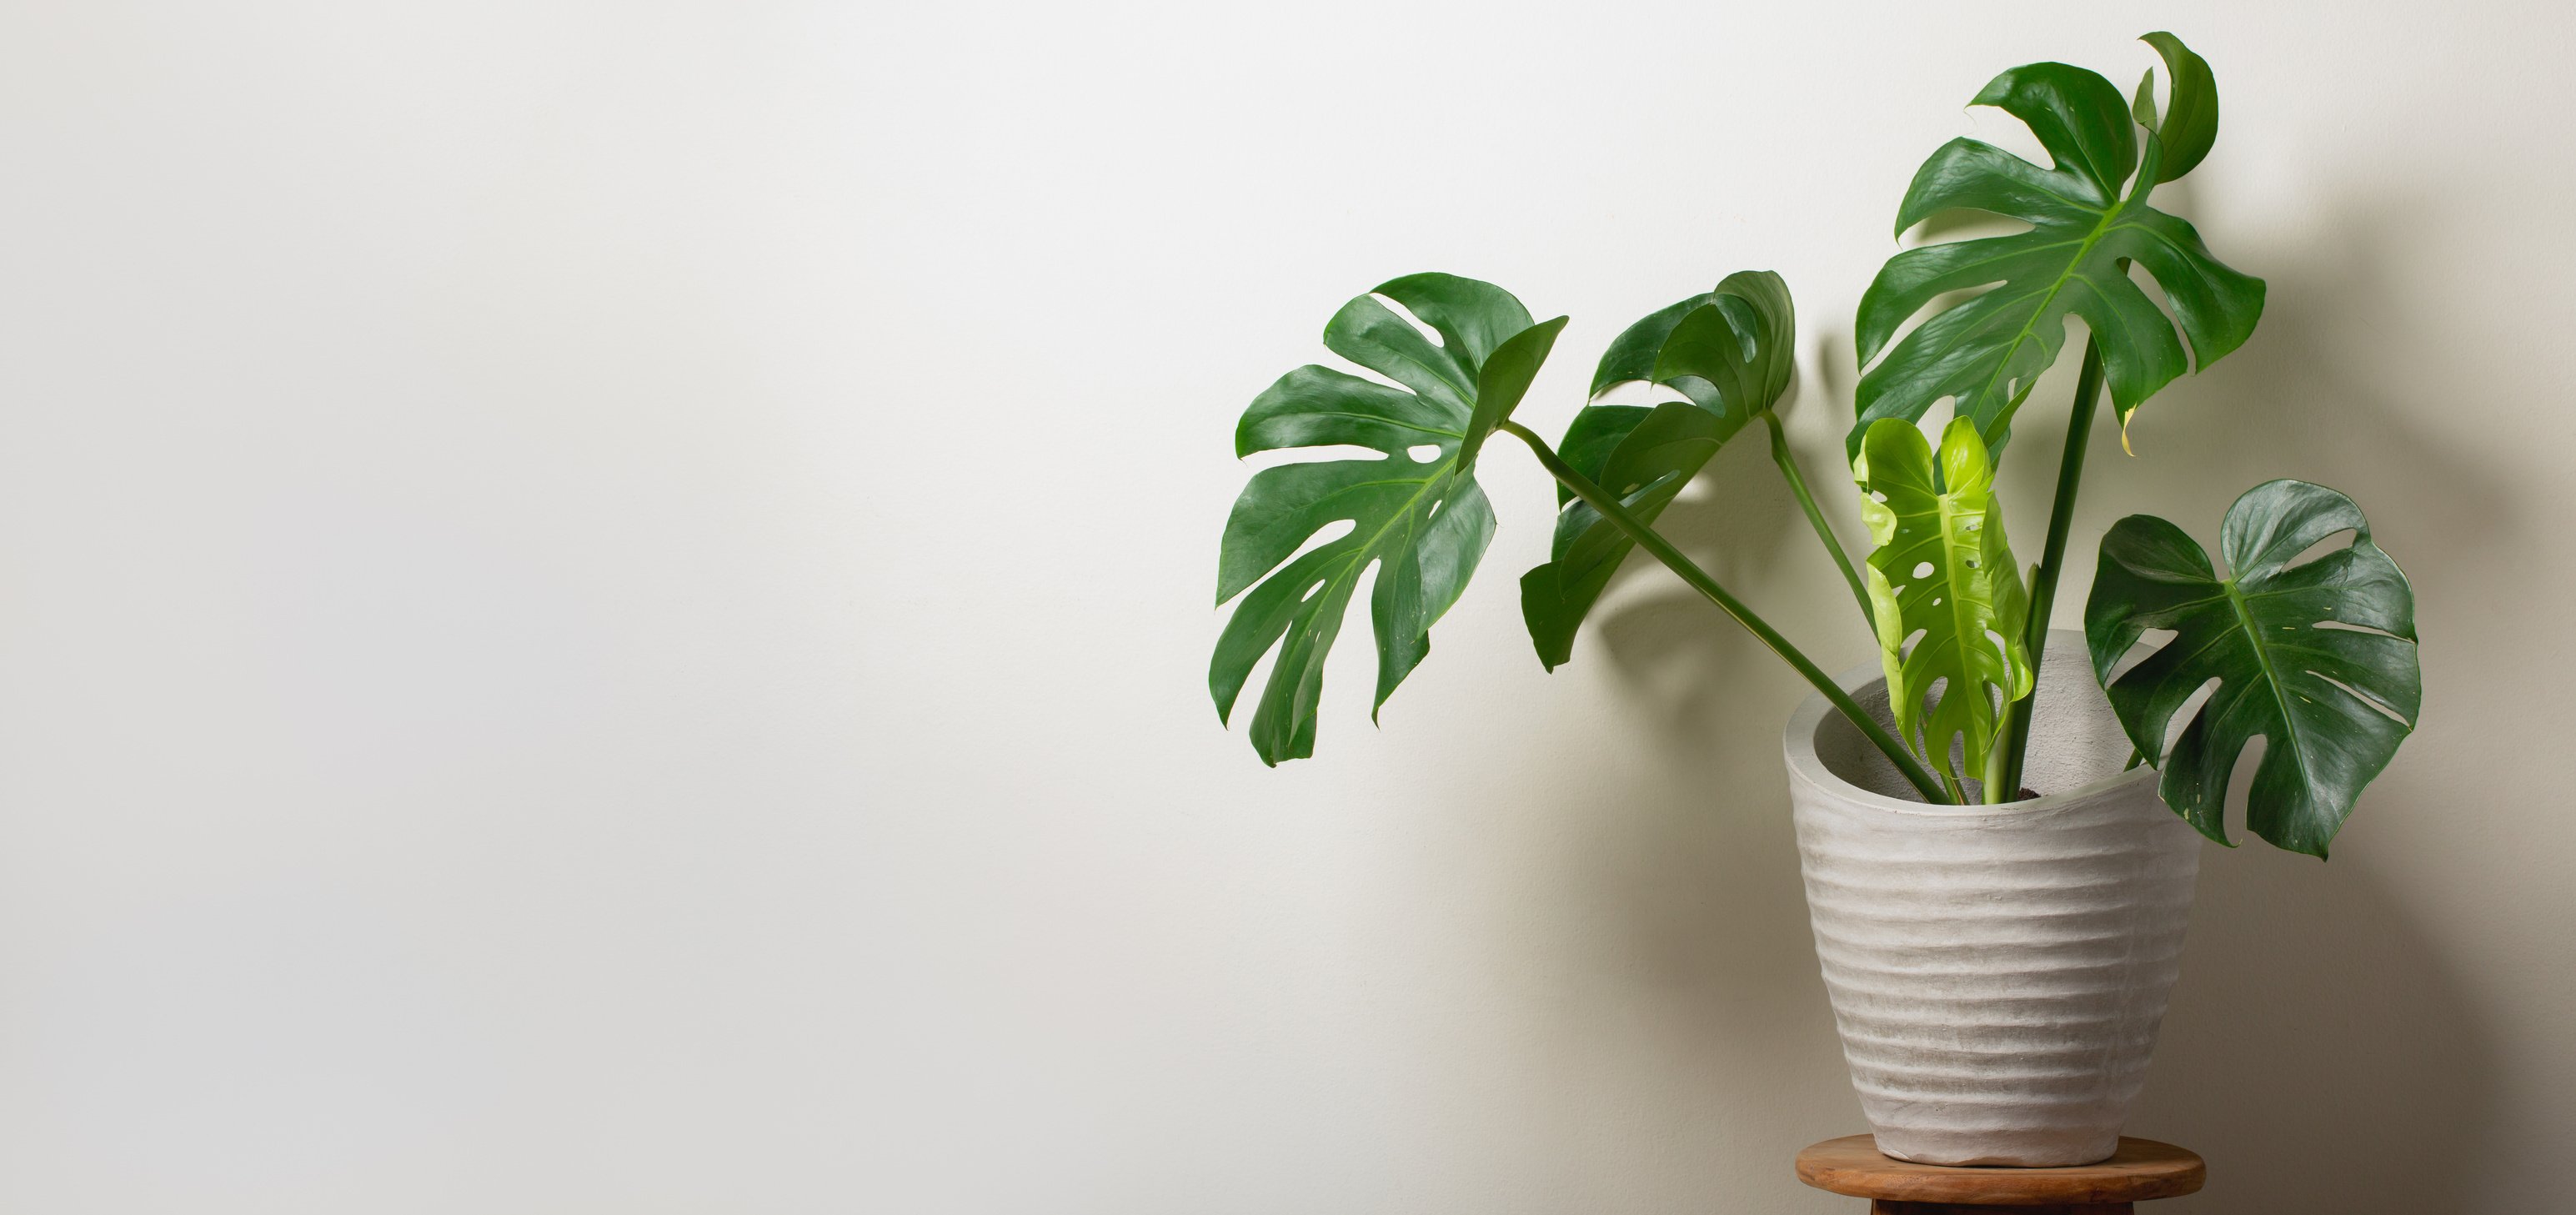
x,y
1942,577
1987,350
1729,354
1416,512
2317,658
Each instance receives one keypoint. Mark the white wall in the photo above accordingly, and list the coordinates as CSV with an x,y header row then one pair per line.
x,y
603,607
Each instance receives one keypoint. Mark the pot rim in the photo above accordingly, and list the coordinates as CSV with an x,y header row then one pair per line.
x,y
1799,742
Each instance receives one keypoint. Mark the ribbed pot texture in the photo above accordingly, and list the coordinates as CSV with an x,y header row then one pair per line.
x,y
1997,972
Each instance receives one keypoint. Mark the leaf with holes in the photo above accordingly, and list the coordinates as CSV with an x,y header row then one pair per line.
x,y
1987,350
1942,576
2317,658
1729,354
1420,519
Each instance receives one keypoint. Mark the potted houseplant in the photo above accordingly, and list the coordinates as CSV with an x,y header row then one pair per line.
x,y
1987,814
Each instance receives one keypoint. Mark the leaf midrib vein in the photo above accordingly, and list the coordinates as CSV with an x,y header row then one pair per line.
x,y
2271,675
1380,420
1358,559
2101,228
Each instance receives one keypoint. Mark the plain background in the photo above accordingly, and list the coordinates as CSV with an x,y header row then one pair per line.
x,y
603,606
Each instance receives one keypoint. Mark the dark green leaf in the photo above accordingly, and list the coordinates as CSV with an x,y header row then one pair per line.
x,y
1631,356
1597,431
1988,349
2077,116
1942,577
1423,522
1655,458
1729,354
2318,659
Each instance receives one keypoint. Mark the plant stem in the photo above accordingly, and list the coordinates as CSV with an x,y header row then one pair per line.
x,y
1788,462
2052,560
2000,783
2003,762
1690,572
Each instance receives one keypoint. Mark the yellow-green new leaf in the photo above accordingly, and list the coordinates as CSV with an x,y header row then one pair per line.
x,y
1949,605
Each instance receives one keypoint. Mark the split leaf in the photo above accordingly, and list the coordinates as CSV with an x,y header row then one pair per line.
x,y
1987,350
1416,512
2318,659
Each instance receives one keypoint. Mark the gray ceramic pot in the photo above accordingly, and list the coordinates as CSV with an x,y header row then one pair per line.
x,y
1997,972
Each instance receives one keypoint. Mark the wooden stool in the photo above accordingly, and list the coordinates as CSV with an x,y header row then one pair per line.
x,y
2142,1169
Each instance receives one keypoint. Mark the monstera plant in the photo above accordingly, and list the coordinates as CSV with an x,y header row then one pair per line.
x,y
2316,657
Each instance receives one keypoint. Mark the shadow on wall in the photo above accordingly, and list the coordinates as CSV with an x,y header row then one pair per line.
x,y
1697,672
1709,1054
2320,1052
2338,385
1701,866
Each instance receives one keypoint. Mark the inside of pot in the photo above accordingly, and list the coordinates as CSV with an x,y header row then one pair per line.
x,y
2075,741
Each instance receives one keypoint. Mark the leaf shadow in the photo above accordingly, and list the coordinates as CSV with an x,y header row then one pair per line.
x,y
1672,649
2318,394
